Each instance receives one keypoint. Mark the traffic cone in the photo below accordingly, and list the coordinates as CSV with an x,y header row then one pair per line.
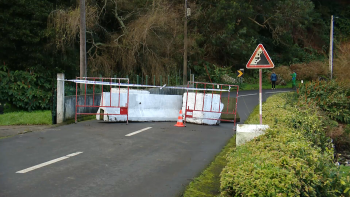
x,y
179,121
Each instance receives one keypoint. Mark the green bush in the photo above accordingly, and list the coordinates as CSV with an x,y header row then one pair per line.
x,y
347,129
293,158
24,90
332,97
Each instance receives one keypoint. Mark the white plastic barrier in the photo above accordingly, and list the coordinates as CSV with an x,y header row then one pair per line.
x,y
247,132
131,91
142,106
211,102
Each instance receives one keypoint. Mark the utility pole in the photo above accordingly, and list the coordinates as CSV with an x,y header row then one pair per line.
x,y
185,48
331,49
83,62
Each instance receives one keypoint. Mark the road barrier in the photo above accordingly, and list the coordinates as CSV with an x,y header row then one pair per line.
x,y
120,108
208,108
203,105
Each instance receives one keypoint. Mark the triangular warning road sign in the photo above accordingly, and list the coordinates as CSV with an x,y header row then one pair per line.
x,y
260,59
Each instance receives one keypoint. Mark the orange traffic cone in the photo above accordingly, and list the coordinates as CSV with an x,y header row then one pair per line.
x,y
179,121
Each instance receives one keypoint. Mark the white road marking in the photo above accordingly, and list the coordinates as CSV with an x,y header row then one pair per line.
x,y
139,131
275,92
247,95
49,162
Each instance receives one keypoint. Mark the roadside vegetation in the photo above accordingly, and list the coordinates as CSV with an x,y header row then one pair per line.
x,y
26,118
208,182
294,157
139,38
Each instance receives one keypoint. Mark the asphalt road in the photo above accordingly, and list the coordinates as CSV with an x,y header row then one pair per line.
x,y
249,99
97,159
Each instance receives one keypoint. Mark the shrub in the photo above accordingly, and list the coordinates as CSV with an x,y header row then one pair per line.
x,y
332,97
310,71
293,158
25,90
283,72
341,64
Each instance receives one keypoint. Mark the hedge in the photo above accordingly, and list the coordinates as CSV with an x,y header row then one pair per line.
x,y
293,158
25,90
332,97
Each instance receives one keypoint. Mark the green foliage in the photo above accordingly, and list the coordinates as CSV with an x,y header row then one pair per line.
x,y
293,158
24,33
24,90
347,129
232,30
10,108
332,97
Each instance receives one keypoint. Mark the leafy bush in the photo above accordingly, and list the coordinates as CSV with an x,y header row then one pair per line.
x,y
341,64
332,97
347,129
25,90
293,158
284,72
310,71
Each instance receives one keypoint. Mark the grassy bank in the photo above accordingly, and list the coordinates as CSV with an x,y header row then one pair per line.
x,y
265,85
207,184
26,118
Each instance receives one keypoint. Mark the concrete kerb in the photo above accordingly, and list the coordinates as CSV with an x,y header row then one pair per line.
x,y
247,132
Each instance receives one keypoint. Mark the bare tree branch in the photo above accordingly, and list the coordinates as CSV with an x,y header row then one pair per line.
x,y
263,26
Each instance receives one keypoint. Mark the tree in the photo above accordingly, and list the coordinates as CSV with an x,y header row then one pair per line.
x,y
24,34
124,36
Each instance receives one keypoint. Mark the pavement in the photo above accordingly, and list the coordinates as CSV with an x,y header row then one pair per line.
x,y
94,158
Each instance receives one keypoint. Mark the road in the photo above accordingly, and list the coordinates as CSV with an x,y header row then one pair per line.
x,y
95,158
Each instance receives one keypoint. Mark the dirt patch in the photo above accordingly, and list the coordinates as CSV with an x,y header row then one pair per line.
x,y
341,141
7,131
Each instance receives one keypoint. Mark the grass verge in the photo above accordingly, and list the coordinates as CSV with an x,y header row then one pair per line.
x,y
26,118
345,170
208,183
35,118
265,85
80,119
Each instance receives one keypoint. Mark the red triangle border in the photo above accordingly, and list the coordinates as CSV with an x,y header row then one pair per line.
x,y
249,66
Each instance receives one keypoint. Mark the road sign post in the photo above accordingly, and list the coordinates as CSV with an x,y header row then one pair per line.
x,y
260,95
260,60
240,74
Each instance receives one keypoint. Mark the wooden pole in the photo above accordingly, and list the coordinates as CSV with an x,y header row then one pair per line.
x,y
83,62
331,49
185,48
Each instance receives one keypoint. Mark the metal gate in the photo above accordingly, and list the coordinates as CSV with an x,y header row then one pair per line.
x,y
101,84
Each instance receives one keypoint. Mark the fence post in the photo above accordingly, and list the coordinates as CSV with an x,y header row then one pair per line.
x,y
60,98
115,80
137,80
101,87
